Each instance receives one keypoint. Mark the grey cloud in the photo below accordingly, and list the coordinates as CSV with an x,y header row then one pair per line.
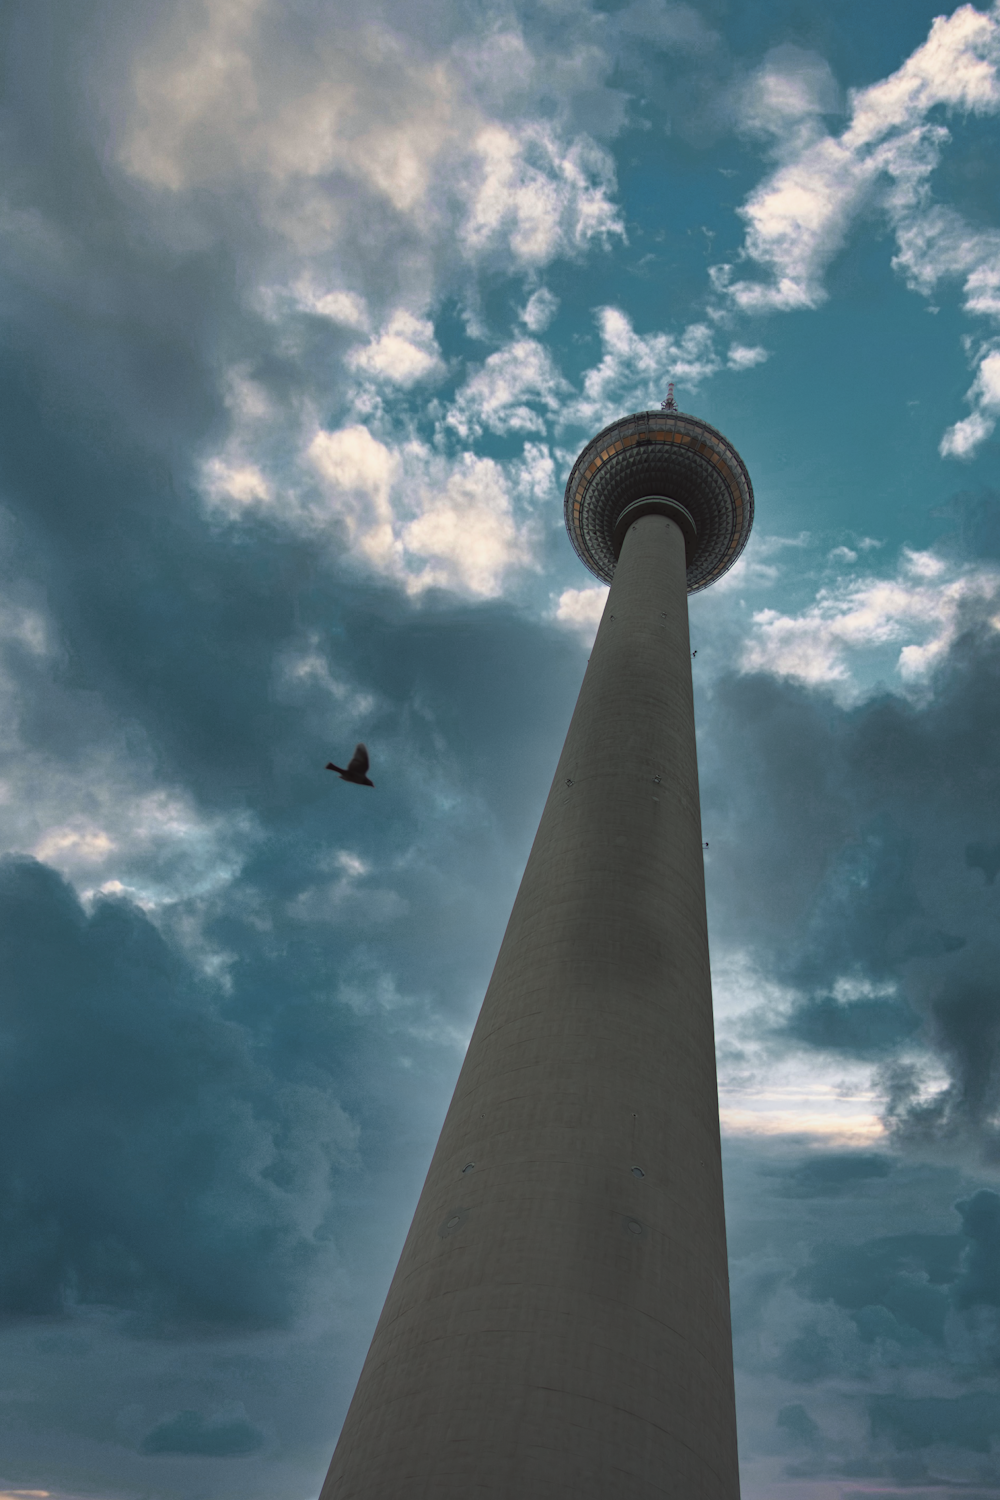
x,y
796,1422
860,1028
840,862
807,1358
906,1275
985,857
189,1432
979,1282
971,1421
149,1161
828,1175
965,1025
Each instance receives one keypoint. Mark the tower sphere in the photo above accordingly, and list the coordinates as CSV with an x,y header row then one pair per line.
x,y
667,462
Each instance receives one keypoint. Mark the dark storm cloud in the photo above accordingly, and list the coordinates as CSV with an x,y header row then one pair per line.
x,y
860,1028
796,1422
151,1160
841,1329
971,1421
985,857
979,1282
904,1275
851,863
807,1358
828,1175
189,1432
906,1283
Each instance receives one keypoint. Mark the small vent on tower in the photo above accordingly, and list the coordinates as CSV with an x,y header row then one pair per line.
x,y
453,1221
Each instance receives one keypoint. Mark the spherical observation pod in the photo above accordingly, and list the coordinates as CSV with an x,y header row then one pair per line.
x,y
668,457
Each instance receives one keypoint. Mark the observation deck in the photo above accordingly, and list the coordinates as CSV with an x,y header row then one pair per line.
x,y
694,473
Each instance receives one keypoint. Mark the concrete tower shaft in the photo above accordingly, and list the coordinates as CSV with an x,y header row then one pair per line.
x,y
558,1326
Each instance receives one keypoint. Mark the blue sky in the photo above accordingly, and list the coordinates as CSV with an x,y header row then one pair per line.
x,y
305,318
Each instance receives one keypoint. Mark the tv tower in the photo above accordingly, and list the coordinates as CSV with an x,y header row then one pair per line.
x,y
558,1325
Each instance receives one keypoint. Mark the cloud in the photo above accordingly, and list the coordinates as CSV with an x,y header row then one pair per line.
x,y
581,609
223,1436
829,1175
343,307
865,1027
417,129
422,521
790,90
517,389
799,217
149,1161
406,351
538,197
906,1275
799,1425
745,357
357,473
922,610
965,438
971,1421
807,1358
635,368
874,942
539,310
802,214
467,532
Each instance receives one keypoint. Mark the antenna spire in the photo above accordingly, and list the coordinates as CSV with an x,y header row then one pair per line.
x,y
670,404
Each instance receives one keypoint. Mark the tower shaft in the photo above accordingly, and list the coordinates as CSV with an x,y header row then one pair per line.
x,y
558,1325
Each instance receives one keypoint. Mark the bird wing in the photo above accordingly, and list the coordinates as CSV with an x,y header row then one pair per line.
x,y
358,764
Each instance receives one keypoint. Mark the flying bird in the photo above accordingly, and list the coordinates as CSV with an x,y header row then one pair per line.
x,y
357,768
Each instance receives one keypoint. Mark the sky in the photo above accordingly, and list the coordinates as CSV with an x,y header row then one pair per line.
x,y
306,311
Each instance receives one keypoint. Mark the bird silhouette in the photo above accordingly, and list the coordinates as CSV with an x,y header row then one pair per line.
x,y
357,768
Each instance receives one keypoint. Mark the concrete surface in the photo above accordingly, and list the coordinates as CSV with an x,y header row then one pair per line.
x,y
558,1325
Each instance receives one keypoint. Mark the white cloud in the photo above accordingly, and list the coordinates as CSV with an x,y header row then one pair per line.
x,y
537,195
635,368
418,519
403,353
535,474
467,532
361,121
581,609
539,310
234,486
343,307
769,1089
154,846
357,473
796,221
789,89
743,357
920,611
965,438
506,394
800,216
345,900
